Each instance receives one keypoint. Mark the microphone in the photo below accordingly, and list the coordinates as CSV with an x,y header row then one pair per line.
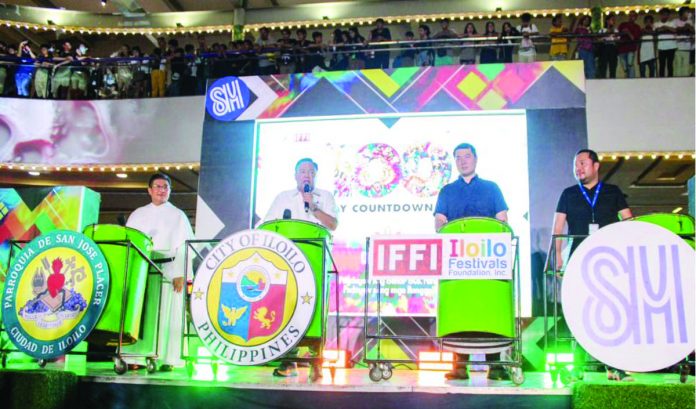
x,y
307,189
287,214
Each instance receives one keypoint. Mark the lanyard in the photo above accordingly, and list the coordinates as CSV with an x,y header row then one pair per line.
x,y
592,202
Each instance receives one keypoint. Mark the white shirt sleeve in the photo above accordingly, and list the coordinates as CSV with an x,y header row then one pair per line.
x,y
329,205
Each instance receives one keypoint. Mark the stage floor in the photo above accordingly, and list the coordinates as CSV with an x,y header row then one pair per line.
x,y
254,387
345,380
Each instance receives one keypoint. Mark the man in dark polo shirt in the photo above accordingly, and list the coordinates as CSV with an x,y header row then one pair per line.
x,y
585,208
589,205
470,196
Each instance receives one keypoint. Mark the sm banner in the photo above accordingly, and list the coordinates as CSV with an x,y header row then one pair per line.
x,y
484,256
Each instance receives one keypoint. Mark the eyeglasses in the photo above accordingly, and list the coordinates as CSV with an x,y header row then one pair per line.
x,y
160,187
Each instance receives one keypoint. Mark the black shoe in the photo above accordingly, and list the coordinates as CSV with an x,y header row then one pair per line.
x,y
457,374
315,372
166,368
286,370
498,374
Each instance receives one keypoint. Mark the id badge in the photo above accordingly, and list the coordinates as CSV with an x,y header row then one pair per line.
x,y
593,227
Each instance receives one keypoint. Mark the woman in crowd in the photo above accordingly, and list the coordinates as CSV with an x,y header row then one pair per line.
x,y
608,52
468,53
357,59
425,56
646,54
489,55
339,59
585,47
506,44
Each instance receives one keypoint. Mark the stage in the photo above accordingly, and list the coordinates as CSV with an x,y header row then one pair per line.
x,y
96,385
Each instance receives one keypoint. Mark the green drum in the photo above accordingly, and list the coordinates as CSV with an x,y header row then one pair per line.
x,y
108,327
314,251
679,224
482,307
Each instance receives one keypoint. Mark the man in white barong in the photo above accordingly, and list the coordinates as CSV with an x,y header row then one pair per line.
x,y
308,203
169,229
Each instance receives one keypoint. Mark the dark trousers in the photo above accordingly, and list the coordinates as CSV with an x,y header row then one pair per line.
x,y
465,357
666,61
608,58
648,67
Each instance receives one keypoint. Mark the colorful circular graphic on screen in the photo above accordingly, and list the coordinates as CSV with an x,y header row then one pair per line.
x,y
378,170
426,169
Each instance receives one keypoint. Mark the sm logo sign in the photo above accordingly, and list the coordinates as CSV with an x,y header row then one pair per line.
x,y
628,296
405,257
227,98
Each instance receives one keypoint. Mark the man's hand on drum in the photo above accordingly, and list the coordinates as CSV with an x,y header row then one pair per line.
x,y
178,284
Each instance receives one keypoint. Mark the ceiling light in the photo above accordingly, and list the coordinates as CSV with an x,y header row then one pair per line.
x,y
121,175
103,3
34,173
677,210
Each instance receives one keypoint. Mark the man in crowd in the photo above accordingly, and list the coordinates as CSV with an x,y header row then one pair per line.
x,y
470,196
443,53
666,42
684,56
380,34
527,51
630,38
308,203
585,208
169,229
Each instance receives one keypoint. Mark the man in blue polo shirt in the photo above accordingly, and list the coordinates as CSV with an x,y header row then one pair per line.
x,y
470,196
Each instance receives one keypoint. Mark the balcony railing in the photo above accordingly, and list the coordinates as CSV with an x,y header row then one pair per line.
x,y
85,77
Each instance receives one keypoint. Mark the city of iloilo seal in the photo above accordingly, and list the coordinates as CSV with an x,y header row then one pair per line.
x,y
253,297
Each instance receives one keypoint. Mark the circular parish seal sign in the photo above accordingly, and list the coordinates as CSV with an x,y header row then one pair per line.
x,y
253,297
54,293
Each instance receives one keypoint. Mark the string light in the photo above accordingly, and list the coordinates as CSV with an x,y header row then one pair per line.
x,y
94,168
317,23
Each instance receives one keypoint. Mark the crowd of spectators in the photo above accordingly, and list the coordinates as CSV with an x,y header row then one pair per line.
x,y
67,70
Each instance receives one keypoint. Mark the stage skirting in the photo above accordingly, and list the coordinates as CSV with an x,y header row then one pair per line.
x,y
254,387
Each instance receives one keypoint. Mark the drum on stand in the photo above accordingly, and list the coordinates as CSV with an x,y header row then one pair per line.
x,y
314,251
108,327
680,224
476,308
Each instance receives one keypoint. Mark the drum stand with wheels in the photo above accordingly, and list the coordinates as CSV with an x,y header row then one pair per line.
x,y
553,340
189,335
120,366
381,368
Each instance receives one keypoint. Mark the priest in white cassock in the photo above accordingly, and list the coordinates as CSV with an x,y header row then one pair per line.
x,y
169,229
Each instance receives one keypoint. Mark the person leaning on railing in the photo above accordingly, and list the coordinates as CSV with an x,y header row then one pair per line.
x,y
80,73
44,65
60,85
468,52
585,46
559,44
647,52
25,69
608,50
505,43
489,55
